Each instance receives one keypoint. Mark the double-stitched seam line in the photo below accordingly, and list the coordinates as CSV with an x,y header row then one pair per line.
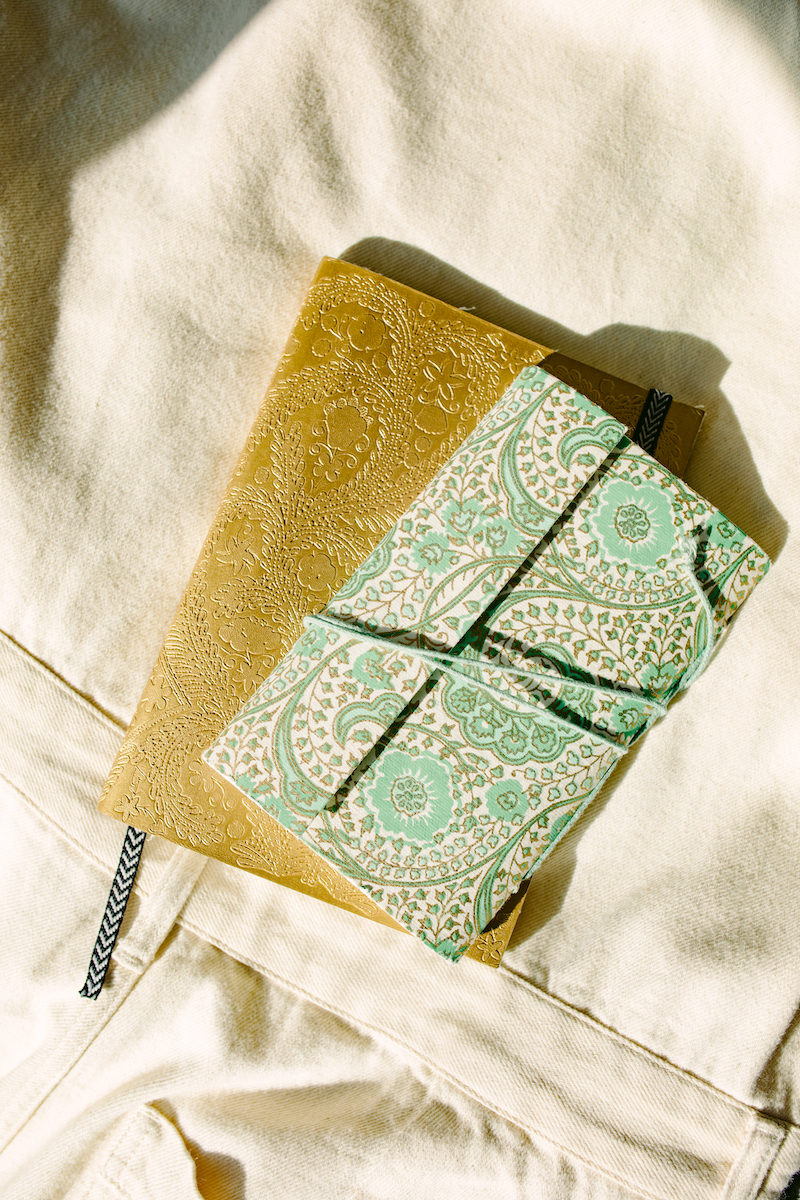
x,y
747,1174
55,680
437,1069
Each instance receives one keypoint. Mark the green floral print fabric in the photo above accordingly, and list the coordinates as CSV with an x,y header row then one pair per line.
x,y
458,703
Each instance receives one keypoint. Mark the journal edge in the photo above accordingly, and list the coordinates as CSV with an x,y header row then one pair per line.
x,y
150,789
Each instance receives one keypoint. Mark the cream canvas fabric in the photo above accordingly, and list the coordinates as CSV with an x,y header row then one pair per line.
x,y
616,180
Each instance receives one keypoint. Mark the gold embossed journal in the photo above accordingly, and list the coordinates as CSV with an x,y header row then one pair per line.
x,y
376,389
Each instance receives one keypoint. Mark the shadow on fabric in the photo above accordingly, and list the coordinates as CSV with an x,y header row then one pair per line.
x,y
722,467
71,85
777,24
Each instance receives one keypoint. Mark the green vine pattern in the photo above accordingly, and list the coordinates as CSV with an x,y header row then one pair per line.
x,y
470,687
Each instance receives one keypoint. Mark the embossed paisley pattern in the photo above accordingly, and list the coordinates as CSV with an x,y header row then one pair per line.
x,y
377,387
463,695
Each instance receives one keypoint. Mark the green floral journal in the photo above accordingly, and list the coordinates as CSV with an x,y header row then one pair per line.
x,y
457,704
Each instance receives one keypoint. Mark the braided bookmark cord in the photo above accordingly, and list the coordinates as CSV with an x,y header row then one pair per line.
x,y
646,433
651,419
115,911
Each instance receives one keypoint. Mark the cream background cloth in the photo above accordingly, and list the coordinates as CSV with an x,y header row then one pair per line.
x,y
169,178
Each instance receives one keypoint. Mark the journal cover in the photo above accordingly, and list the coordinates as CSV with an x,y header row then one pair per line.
x,y
443,720
378,386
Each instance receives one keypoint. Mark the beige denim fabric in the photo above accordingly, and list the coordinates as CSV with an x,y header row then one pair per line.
x,y
618,180
204,1070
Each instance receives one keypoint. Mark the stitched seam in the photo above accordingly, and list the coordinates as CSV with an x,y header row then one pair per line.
x,y
137,978
54,826
627,1043
71,692
508,973
758,1169
104,719
100,1172
436,1068
124,1160
590,1022
735,1169
180,876
112,1184
68,1067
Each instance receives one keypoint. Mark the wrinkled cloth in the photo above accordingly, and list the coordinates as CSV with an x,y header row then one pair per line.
x,y
618,181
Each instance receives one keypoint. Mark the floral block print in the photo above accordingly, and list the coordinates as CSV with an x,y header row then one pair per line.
x,y
456,705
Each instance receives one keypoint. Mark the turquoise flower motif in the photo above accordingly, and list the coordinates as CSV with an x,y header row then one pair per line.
x,y
448,947
431,553
626,718
467,519
633,523
544,739
506,800
303,796
410,795
463,516
512,743
369,669
460,700
722,532
659,679
485,722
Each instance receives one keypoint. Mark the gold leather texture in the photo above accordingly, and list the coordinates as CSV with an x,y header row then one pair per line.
x,y
378,386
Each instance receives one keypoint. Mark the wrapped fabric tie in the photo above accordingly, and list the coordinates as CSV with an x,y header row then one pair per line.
x,y
484,674
440,725
370,415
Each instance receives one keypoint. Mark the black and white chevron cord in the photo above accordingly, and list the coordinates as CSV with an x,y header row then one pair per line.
x,y
649,426
651,419
115,911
